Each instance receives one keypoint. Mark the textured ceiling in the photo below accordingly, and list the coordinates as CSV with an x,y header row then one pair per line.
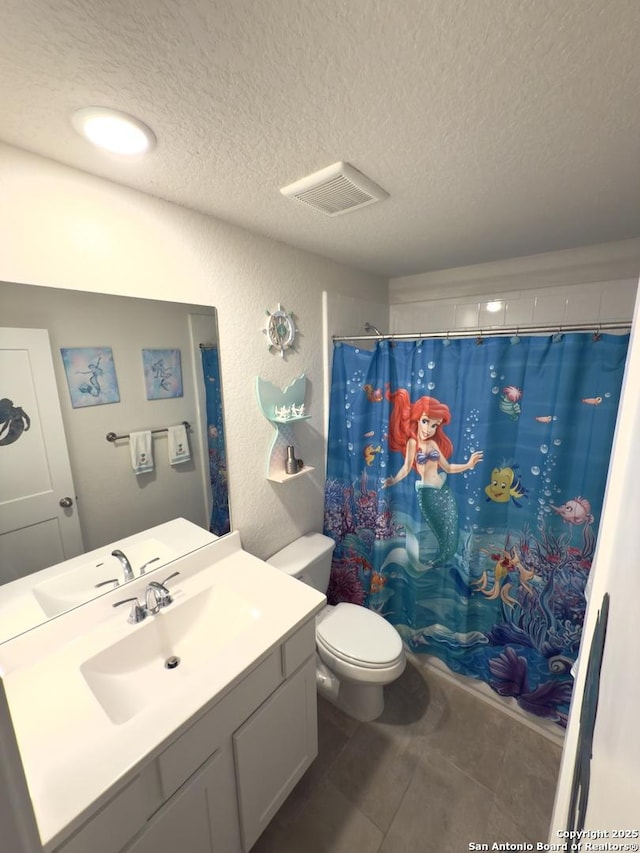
x,y
499,127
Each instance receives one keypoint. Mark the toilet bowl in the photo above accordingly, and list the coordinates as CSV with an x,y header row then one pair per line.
x,y
357,650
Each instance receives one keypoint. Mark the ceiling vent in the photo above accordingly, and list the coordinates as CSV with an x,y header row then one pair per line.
x,y
337,189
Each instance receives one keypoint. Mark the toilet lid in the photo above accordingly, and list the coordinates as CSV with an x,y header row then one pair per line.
x,y
353,633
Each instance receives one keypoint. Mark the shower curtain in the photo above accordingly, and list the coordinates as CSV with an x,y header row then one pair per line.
x,y
465,481
220,522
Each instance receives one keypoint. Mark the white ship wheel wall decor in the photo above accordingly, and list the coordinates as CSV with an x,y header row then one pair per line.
x,y
280,329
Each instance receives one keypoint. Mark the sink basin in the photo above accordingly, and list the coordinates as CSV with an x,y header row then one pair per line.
x,y
78,585
155,659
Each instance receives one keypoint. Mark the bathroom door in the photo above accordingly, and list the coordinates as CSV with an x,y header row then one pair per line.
x,y
39,523
613,777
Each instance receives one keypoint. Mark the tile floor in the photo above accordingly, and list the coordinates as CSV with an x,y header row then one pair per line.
x,y
439,769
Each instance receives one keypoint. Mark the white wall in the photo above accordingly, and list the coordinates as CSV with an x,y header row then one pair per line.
x,y
63,228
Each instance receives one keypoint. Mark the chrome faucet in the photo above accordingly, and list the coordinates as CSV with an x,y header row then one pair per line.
x,y
157,595
124,562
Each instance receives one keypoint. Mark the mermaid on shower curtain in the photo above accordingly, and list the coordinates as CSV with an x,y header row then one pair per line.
x,y
416,430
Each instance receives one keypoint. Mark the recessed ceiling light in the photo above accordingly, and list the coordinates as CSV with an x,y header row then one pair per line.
x,y
115,131
494,306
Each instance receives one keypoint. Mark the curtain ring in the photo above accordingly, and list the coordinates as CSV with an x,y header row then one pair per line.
x,y
515,339
597,335
479,339
447,341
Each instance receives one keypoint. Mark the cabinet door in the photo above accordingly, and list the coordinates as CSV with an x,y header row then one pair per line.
x,y
273,749
200,818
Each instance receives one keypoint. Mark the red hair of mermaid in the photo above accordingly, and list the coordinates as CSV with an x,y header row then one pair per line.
x,y
403,421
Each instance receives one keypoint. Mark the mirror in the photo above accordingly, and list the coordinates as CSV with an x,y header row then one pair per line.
x,y
112,366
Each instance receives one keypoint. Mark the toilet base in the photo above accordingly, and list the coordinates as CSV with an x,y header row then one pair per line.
x,y
363,702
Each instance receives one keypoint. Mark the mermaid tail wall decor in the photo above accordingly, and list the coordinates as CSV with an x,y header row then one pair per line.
x,y
440,511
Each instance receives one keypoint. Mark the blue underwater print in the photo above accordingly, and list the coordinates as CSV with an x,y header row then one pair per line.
x,y
464,490
220,522
91,376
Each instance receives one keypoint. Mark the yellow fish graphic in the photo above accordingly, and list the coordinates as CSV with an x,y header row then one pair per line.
x,y
369,453
505,485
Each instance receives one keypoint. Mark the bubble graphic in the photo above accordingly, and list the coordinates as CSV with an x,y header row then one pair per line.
x,y
349,424
557,442
431,385
470,501
431,365
493,374
535,470
544,448
421,373
495,390
350,446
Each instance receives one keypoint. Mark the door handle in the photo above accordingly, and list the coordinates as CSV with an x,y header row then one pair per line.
x,y
66,502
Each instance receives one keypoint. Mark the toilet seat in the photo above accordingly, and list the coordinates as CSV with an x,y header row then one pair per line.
x,y
357,636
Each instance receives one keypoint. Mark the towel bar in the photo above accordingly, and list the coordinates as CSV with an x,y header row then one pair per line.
x,y
111,436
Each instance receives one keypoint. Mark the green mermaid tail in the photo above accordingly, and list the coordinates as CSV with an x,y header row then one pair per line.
x,y
440,511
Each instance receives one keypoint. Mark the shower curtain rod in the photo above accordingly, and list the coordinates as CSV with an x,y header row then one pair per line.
x,y
596,328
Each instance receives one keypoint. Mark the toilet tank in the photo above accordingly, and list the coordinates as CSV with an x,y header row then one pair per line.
x,y
308,559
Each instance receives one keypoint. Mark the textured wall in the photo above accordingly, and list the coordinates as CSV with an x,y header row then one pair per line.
x,y
63,228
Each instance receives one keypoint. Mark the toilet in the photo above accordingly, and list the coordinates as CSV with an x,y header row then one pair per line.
x,y
357,650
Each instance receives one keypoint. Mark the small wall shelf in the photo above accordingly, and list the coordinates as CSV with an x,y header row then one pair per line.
x,y
270,400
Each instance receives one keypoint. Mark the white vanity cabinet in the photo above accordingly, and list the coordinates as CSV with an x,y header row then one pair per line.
x,y
216,786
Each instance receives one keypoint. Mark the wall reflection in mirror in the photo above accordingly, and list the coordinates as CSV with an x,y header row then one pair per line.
x,y
75,367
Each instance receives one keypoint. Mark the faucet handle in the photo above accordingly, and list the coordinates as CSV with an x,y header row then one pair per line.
x,y
137,611
167,598
148,563
114,581
158,594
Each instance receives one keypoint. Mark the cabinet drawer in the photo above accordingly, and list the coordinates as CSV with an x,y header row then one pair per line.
x,y
118,820
298,648
186,754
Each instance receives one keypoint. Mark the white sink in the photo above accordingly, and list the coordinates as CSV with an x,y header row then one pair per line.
x,y
134,672
67,590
